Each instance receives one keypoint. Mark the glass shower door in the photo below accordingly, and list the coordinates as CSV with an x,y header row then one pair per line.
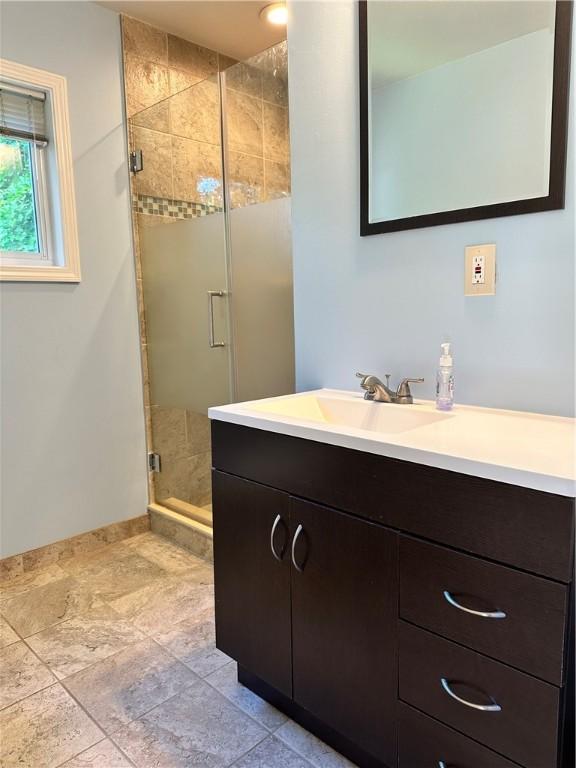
x,y
257,152
182,244
185,299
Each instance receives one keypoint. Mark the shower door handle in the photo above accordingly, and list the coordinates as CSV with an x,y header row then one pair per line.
x,y
211,341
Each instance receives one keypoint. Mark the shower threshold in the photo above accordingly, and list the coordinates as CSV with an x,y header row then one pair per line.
x,y
200,514
183,529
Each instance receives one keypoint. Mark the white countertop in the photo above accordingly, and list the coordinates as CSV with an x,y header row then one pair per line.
x,y
527,449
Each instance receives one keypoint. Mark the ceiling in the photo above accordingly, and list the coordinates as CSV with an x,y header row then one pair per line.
x,y
232,27
411,37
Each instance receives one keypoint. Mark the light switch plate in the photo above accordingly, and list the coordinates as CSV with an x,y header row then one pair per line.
x,y
480,282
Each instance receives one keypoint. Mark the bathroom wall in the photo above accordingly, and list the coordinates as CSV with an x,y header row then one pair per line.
x,y
73,450
385,303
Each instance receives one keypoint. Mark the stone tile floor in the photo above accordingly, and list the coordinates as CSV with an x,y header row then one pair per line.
x,y
107,660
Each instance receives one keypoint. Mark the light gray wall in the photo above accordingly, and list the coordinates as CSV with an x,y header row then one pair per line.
x,y
385,303
73,447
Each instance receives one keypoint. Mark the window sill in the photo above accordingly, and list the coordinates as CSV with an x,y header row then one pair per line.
x,y
39,274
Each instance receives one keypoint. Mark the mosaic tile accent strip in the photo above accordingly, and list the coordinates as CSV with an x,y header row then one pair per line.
x,y
174,209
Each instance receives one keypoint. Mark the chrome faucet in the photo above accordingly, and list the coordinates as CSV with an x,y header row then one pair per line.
x,y
380,392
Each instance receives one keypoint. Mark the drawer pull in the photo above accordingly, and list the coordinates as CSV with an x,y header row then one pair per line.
x,y
272,532
482,707
483,614
294,540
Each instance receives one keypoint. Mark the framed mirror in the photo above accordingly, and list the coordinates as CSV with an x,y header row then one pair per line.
x,y
463,110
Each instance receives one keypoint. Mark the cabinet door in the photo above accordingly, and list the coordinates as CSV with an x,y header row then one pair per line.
x,y
252,577
344,615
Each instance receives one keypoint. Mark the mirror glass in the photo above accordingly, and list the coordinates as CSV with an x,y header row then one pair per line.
x,y
459,104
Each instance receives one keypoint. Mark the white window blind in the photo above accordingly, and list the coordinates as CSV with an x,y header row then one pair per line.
x,y
23,114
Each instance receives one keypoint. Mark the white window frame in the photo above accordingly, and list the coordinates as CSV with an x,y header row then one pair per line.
x,y
60,256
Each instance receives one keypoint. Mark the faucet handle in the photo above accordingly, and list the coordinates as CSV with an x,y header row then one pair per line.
x,y
403,392
365,376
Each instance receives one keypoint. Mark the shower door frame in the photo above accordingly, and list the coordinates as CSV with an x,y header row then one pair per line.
x,y
226,204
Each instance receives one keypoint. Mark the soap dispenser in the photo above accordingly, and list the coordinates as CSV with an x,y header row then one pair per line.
x,y
445,380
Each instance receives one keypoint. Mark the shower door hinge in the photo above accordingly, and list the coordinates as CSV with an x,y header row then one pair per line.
x,y
154,462
136,161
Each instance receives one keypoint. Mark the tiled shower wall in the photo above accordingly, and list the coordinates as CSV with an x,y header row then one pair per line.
x,y
179,130
173,107
256,112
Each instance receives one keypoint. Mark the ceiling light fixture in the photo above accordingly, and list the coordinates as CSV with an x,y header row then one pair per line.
x,y
275,13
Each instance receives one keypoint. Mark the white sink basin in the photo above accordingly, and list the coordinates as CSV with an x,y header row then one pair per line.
x,y
356,414
529,449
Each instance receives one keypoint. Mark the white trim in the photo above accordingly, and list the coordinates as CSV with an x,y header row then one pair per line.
x,y
68,271
43,207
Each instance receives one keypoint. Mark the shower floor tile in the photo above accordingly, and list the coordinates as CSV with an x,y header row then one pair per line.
x,y
124,671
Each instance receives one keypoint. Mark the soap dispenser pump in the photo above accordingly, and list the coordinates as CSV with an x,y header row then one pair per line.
x,y
445,380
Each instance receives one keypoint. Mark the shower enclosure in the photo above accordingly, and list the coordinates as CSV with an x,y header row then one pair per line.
x,y
212,225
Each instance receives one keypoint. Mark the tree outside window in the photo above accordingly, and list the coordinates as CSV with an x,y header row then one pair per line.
x,y
18,221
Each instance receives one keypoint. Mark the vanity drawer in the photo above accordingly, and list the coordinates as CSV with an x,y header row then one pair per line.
x,y
426,743
525,729
434,581
519,527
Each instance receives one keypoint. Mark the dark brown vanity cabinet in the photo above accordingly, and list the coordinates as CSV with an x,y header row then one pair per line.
x,y
288,610
422,739
253,586
344,604
512,616
520,713
409,616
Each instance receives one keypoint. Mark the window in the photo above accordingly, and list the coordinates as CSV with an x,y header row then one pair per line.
x,y
24,213
38,238
18,217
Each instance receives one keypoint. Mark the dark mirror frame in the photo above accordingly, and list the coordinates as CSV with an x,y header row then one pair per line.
x,y
559,136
